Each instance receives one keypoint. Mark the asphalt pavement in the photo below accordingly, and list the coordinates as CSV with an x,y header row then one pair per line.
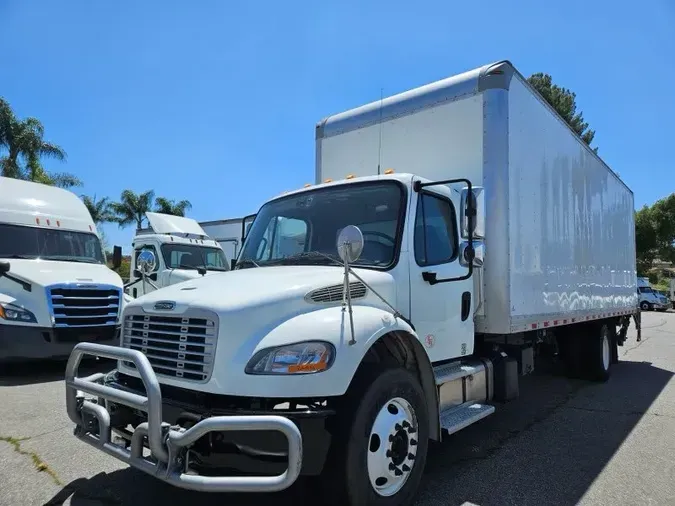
x,y
562,442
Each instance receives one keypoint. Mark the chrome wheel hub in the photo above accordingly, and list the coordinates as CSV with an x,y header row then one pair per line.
x,y
392,447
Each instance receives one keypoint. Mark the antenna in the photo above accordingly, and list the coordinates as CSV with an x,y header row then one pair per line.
x,y
379,147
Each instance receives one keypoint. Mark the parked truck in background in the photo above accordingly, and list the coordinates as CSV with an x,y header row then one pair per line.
x,y
413,303
55,287
650,299
180,249
228,233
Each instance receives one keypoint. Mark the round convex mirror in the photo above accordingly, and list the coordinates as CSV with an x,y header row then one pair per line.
x,y
350,243
146,261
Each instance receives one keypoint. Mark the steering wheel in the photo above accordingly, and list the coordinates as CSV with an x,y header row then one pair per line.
x,y
379,234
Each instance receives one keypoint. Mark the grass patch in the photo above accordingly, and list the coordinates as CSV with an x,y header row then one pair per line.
x,y
39,464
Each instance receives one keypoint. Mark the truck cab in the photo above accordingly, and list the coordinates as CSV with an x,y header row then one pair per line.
x,y
180,250
55,287
650,299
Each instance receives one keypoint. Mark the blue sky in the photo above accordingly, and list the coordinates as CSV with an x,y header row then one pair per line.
x,y
216,101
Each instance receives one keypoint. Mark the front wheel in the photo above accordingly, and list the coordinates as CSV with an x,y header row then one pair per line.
x,y
378,458
645,306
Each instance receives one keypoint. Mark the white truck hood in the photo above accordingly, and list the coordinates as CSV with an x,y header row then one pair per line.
x,y
261,286
48,272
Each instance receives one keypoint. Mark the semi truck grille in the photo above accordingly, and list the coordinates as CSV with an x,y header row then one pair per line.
x,y
176,346
91,306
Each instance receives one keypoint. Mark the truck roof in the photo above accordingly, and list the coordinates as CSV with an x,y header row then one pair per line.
x,y
491,76
35,204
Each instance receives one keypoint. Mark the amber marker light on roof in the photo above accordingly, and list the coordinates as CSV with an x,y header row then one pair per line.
x,y
350,176
329,180
389,171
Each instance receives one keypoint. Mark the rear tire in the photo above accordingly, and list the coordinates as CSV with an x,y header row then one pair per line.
x,y
598,353
380,447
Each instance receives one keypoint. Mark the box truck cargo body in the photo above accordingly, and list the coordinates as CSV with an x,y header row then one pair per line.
x,y
457,233
559,225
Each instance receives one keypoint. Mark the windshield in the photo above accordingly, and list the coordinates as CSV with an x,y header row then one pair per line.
x,y
303,228
188,256
646,289
49,244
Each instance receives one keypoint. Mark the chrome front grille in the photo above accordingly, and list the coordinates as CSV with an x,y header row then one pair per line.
x,y
75,305
176,346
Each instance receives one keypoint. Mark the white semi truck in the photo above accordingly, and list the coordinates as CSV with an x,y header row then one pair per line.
x,y
408,312
55,287
180,249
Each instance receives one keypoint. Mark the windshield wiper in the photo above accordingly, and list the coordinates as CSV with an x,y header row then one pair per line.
x,y
307,258
71,259
24,257
246,262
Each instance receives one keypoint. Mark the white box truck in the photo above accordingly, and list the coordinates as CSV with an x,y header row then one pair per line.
x,y
177,248
408,311
228,233
55,287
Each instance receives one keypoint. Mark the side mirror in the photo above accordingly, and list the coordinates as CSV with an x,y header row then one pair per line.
x,y
350,244
246,223
146,262
471,254
472,213
4,267
117,257
201,270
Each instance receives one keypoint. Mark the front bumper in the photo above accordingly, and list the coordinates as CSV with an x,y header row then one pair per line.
x,y
169,445
21,342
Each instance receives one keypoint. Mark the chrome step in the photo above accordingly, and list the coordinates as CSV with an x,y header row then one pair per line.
x,y
458,417
456,370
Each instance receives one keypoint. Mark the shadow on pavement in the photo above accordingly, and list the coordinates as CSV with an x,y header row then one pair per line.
x,y
545,448
44,371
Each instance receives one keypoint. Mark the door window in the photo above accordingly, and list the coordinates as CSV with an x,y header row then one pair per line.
x,y
435,231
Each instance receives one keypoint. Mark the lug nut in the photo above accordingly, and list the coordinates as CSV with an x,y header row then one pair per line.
x,y
398,472
411,456
392,467
413,442
388,454
405,468
405,424
397,427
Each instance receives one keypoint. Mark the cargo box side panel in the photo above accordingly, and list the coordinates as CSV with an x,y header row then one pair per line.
x,y
572,231
439,142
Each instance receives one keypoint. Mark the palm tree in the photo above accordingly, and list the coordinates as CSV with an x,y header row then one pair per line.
x,y
99,209
166,206
24,141
132,208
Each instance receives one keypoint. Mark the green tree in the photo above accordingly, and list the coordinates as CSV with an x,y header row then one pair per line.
x,y
132,208
25,145
645,240
166,206
99,209
564,102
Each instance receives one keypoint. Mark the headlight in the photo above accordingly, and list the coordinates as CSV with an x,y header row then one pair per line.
x,y
13,313
299,358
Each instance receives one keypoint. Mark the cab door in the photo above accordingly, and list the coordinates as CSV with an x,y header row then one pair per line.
x,y
440,310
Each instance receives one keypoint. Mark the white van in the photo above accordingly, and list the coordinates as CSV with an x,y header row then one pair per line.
x,y
55,287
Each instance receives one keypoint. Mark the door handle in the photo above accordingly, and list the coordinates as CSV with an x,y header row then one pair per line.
x,y
430,277
466,305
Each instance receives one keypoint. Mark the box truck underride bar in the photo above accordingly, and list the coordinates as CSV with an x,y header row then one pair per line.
x,y
373,312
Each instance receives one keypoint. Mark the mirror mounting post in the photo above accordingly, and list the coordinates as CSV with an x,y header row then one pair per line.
x,y
470,213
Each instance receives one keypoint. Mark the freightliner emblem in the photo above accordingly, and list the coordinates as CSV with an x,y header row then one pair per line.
x,y
165,305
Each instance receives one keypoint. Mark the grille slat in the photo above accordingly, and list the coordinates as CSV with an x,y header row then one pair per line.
x,y
334,293
176,346
84,306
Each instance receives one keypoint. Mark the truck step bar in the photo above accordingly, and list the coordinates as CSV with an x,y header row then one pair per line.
x,y
168,445
457,418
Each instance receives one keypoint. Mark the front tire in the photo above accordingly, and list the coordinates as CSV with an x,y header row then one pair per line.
x,y
379,453
645,306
